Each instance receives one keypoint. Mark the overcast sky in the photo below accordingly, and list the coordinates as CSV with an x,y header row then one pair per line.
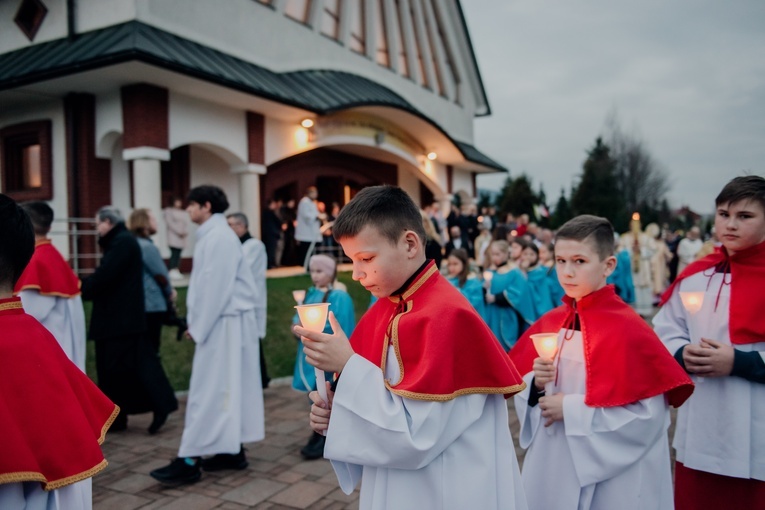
x,y
688,76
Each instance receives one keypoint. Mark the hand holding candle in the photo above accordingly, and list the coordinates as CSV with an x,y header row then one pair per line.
x,y
314,318
546,345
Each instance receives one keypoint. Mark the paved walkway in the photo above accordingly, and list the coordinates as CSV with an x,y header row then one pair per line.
x,y
277,477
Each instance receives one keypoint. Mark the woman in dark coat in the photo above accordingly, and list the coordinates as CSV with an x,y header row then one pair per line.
x,y
129,372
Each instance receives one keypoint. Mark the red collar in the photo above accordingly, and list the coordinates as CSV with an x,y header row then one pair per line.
x,y
443,348
48,273
624,359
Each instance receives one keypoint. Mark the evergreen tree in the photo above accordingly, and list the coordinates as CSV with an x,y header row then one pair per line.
x,y
562,211
597,192
517,196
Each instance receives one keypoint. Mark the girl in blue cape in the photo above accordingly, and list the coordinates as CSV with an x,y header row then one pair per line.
x,y
509,308
536,275
458,267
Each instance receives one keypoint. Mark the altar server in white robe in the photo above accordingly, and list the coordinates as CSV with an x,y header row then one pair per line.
x,y
712,321
419,416
597,433
225,402
49,289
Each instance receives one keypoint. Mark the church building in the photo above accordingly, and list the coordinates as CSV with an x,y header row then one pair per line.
x,y
133,102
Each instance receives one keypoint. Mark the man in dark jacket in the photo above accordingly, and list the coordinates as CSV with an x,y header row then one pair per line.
x,y
129,373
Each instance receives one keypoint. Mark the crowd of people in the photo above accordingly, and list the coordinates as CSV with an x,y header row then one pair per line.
x,y
415,406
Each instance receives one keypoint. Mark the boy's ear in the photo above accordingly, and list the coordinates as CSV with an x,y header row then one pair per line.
x,y
610,265
413,243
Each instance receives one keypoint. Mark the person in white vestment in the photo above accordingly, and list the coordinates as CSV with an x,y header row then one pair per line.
x,y
256,257
711,320
51,298
418,415
595,414
225,402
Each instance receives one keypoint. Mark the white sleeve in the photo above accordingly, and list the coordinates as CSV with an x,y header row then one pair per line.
x,y
371,426
670,324
605,442
214,282
528,417
36,305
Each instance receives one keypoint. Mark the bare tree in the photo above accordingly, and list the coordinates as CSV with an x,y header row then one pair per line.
x,y
642,180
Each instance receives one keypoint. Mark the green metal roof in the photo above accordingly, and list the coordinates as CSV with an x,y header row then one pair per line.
x,y
319,91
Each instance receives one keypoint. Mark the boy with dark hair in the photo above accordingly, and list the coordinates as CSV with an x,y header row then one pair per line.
x,y
49,289
601,433
711,321
225,402
419,413
53,418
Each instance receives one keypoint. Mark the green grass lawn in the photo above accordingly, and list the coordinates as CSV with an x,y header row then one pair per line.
x,y
280,345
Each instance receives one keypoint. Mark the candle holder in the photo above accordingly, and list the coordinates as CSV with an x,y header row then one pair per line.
x,y
692,301
314,318
298,296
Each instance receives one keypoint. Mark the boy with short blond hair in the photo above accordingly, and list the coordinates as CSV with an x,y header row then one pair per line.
x,y
711,321
419,413
600,436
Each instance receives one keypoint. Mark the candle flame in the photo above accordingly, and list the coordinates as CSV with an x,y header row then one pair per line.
x,y
636,216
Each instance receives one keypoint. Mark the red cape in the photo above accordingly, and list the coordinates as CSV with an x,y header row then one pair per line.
x,y
52,417
48,273
747,268
430,315
624,359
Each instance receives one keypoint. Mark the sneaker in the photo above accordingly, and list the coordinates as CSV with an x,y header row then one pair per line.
x,y
175,274
178,472
223,461
314,449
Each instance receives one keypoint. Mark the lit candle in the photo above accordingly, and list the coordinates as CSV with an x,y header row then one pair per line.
x,y
635,224
692,301
314,318
487,276
546,345
298,296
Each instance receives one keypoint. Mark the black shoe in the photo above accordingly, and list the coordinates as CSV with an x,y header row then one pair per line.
x,y
223,461
159,419
178,472
314,449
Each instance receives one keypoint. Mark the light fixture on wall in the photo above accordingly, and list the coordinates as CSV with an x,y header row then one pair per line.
x,y
307,123
432,155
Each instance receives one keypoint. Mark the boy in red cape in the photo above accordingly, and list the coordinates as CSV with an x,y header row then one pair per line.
x,y
49,289
712,322
419,412
599,439
52,417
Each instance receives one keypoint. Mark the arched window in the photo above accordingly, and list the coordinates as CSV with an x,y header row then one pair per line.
x,y
382,56
297,9
358,31
330,19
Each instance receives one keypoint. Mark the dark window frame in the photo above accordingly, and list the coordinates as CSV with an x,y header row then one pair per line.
x,y
12,140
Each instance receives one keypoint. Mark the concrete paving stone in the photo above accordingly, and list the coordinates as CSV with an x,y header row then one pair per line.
x,y
132,483
268,452
228,505
301,494
290,476
262,466
339,495
158,503
123,502
318,467
192,502
254,492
